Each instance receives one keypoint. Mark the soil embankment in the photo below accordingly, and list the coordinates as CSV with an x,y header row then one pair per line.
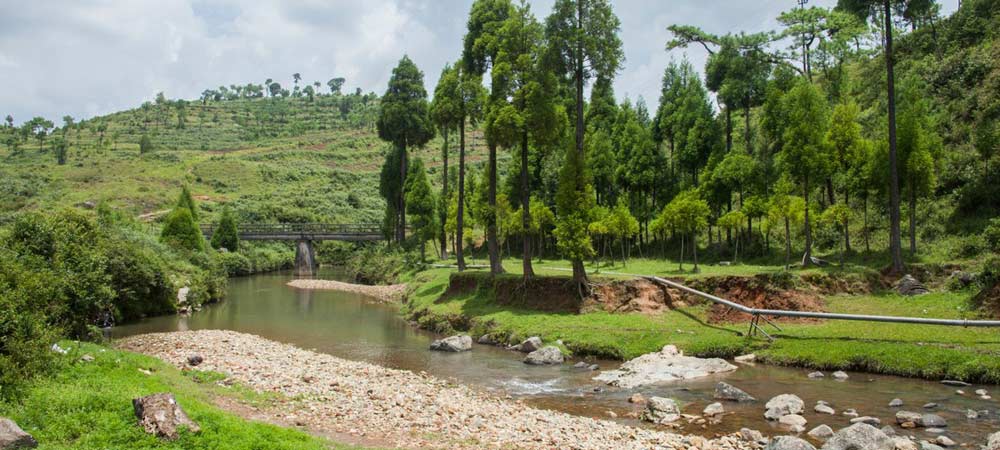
x,y
389,294
333,396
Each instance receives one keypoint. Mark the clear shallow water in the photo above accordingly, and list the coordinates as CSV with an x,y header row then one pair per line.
x,y
351,326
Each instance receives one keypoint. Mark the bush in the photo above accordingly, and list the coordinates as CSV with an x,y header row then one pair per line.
x,y
181,232
377,264
226,235
991,235
235,264
25,331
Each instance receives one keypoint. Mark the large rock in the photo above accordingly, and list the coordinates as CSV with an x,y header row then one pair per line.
x,y
668,364
821,432
458,343
713,410
783,405
788,443
160,415
661,411
910,286
530,344
993,442
544,356
12,436
859,436
726,391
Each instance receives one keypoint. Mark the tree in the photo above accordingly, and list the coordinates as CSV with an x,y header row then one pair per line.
x,y
145,145
421,204
805,154
687,214
583,39
575,201
788,209
621,225
865,9
310,92
446,111
917,145
335,85
839,215
733,220
405,122
522,108
59,147
845,140
481,46
180,231
227,234
186,200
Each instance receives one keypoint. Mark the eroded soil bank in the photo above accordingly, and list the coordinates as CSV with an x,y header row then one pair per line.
x,y
334,396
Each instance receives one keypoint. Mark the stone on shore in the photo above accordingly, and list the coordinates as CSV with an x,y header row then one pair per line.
x,y
529,345
993,442
160,415
12,436
544,356
459,343
910,286
726,391
859,436
661,411
788,443
746,359
195,360
486,340
752,436
783,405
668,364
821,432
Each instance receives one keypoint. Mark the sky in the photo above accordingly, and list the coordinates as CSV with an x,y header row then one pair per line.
x,y
92,57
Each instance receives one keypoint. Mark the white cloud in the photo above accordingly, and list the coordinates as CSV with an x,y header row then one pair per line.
x,y
89,57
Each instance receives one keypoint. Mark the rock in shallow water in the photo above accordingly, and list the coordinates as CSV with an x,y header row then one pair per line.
x,y
788,443
726,391
859,436
821,432
666,365
661,411
713,410
12,436
459,343
530,344
544,356
783,405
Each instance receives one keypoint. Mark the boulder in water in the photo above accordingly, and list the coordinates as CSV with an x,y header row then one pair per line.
x,y
529,345
908,285
668,364
713,410
459,343
160,415
993,442
12,436
661,410
544,356
822,432
726,391
859,436
783,405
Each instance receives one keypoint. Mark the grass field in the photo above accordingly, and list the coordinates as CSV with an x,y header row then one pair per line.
x,y
923,351
88,405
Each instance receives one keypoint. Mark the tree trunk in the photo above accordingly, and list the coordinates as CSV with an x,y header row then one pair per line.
x,y
729,129
694,250
807,255
913,222
525,210
746,132
895,245
401,231
868,248
829,191
579,273
680,264
492,242
444,197
847,225
459,221
788,243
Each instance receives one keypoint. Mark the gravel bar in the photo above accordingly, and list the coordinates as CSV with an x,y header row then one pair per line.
x,y
391,293
334,396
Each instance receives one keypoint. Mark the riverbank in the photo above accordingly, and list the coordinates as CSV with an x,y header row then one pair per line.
x,y
401,408
86,403
921,351
393,293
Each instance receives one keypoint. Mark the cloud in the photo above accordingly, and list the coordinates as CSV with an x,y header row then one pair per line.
x,y
91,57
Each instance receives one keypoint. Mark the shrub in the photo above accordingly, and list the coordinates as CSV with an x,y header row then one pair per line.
x,y
145,145
25,331
226,235
181,232
235,264
991,235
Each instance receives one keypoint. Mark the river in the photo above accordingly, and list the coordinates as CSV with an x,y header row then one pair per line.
x,y
353,327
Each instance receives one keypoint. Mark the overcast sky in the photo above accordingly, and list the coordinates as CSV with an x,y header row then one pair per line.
x,y
92,57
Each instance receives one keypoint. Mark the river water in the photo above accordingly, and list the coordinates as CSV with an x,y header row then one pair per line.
x,y
353,327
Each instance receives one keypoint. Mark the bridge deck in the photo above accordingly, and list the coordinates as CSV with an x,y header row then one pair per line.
x,y
303,231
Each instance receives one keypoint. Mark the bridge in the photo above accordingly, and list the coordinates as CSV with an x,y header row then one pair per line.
x,y
304,234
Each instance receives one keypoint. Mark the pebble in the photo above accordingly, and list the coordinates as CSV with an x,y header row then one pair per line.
x,y
815,375
840,375
824,409
931,405
867,419
358,398
896,403
944,441
850,413
982,392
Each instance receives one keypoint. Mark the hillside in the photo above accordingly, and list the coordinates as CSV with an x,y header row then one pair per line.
x,y
272,159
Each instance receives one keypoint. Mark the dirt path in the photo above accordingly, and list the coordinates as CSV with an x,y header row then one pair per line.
x,y
337,397
391,293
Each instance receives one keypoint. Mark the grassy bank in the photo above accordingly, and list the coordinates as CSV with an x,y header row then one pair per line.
x,y
88,405
932,352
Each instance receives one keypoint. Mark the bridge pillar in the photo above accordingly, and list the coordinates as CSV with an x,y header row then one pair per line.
x,y
305,259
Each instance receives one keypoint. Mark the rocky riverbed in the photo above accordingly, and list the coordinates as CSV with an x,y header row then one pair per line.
x,y
389,294
337,397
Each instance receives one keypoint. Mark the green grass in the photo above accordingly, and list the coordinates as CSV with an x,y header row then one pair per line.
x,y
924,351
88,405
